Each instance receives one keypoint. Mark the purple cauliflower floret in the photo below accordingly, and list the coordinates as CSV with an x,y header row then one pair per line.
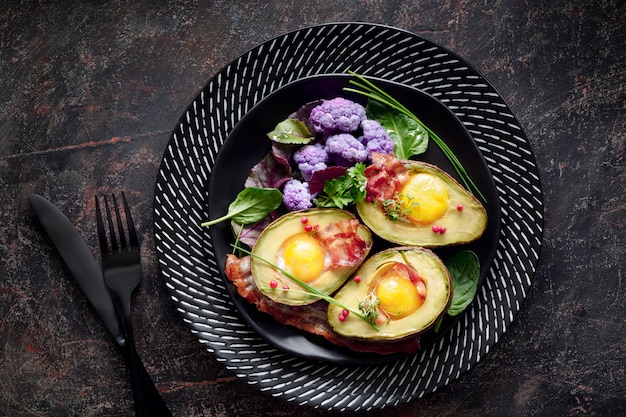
x,y
296,195
375,138
311,158
338,114
345,149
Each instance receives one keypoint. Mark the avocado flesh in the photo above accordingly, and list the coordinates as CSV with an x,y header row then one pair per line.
x,y
269,244
461,225
438,296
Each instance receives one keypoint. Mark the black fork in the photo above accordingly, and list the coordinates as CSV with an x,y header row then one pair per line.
x,y
121,264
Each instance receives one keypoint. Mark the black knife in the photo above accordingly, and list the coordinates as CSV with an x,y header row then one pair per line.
x,y
87,272
79,259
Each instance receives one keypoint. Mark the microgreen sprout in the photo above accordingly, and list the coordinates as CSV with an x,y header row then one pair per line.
x,y
398,206
369,307
308,288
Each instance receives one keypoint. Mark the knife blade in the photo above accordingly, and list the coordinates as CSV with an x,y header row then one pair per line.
x,y
87,272
80,261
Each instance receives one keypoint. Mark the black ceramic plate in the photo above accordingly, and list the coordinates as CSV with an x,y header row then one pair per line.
x,y
247,144
187,253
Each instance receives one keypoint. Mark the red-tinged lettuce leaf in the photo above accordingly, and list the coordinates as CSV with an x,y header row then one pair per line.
x,y
316,183
304,114
249,233
267,174
282,155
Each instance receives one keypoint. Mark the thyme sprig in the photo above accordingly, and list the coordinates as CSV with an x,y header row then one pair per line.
x,y
309,289
371,91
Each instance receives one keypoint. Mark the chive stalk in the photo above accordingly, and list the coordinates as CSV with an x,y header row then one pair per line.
x,y
371,91
309,289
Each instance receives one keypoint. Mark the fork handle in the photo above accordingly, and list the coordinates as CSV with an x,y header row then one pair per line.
x,y
148,400
141,409
154,401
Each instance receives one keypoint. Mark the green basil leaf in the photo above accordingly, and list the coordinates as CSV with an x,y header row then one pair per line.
x,y
251,205
291,131
464,270
409,137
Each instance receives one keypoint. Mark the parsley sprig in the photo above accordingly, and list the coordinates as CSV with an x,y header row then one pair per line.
x,y
347,189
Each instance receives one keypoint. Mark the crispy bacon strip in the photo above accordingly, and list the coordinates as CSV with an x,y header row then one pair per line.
x,y
385,176
343,243
310,318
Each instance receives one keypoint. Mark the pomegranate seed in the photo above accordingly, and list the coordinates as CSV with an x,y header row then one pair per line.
x,y
341,318
436,228
459,207
308,227
357,279
273,284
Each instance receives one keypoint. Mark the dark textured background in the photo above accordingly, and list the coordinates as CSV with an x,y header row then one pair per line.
x,y
90,91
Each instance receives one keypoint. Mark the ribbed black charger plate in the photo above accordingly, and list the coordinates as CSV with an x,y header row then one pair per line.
x,y
185,251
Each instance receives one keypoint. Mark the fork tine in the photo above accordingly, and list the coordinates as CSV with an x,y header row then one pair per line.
x,y
114,246
132,233
102,237
120,225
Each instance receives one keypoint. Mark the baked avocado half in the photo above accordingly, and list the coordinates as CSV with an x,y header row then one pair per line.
x,y
404,291
430,209
320,247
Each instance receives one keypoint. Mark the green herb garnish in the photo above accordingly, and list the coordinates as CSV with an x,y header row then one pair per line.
x,y
369,307
347,189
399,206
372,92
291,131
464,269
408,136
251,205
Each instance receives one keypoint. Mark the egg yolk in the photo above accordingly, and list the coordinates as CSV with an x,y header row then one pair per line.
x,y
304,257
425,198
398,296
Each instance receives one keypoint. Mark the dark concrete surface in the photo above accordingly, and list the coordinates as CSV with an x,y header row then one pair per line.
x,y
90,92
